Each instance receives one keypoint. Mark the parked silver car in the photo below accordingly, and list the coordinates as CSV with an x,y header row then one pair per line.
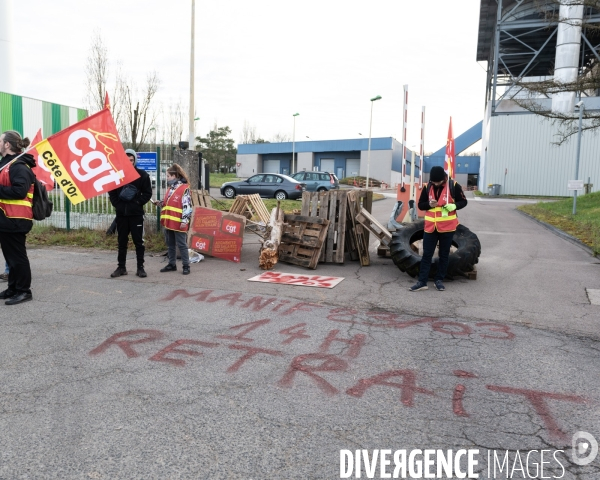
x,y
269,185
318,181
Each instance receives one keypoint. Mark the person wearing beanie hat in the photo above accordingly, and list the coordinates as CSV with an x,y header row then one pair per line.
x,y
130,152
440,200
129,201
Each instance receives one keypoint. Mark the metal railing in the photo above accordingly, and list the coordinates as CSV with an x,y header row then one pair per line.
x,y
96,213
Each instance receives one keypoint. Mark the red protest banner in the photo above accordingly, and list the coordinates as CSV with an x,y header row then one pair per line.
x,y
40,171
450,164
217,234
87,158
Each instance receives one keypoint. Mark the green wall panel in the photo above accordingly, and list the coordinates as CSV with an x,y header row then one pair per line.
x,y
81,114
47,119
17,113
6,107
56,122
64,117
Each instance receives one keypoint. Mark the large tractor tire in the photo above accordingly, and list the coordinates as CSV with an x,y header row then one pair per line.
x,y
461,261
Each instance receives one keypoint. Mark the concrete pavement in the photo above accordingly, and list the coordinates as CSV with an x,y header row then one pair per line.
x,y
211,376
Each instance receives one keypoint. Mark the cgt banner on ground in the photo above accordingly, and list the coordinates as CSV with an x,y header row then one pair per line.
x,y
87,158
217,234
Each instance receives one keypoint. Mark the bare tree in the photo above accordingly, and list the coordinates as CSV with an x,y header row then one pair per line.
x,y
132,108
175,123
533,94
96,74
281,137
139,114
248,133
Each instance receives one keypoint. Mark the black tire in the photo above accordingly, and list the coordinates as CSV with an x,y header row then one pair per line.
x,y
280,195
463,260
322,189
229,192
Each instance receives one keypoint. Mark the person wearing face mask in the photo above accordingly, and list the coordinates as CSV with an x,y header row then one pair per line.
x,y
175,217
16,214
129,201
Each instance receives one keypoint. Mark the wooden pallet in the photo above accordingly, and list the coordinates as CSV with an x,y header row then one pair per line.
x,y
376,228
472,275
345,236
302,240
201,198
330,206
252,204
383,251
357,237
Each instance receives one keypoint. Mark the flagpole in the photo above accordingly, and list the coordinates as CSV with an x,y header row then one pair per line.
x,y
191,119
422,147
404,122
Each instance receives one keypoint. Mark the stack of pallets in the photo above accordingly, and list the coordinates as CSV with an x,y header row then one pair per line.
x,y
250,205
345,236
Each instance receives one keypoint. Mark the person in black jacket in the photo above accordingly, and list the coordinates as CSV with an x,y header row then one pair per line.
x,y
16,214
129,204
442,229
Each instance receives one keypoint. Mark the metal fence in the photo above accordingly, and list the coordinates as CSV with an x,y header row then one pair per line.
x,y
98,213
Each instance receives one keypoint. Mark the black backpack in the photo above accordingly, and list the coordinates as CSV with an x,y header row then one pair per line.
x,y
42,205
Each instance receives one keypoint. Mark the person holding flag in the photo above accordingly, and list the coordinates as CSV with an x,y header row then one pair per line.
x,y
129,201
16,214
440,200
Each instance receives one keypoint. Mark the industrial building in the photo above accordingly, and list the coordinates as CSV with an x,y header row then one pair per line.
x,y
348,158
520,44
345,158
27,115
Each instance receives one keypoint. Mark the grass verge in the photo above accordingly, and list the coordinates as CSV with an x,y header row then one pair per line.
x,y
86,238
218,179
585,225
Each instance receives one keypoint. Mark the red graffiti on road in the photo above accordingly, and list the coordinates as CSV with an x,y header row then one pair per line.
x,y
408,385
371,318
174,348
301,364
324,368
538,401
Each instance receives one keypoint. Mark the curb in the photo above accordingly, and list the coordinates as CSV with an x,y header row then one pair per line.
x,y
560,233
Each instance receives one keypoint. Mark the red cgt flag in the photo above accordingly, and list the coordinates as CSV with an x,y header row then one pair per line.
x,y
450,165
40,170
87,159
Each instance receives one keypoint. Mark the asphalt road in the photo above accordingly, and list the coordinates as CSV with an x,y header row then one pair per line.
x,y
210,376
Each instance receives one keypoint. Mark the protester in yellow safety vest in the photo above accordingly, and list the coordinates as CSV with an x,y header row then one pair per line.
x,y
16,214
175,217
440,200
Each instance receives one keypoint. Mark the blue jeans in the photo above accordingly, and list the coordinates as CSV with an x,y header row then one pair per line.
x,y
6,269
430,240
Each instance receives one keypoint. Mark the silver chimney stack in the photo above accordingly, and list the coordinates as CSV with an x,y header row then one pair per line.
x,y
567,52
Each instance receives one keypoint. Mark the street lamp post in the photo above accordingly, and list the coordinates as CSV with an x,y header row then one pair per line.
x,y
374,99
294,143
581,109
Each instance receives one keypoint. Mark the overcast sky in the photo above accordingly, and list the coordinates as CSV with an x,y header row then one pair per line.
x,y
264,60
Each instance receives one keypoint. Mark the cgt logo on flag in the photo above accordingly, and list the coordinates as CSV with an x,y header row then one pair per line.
x,y
87,159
